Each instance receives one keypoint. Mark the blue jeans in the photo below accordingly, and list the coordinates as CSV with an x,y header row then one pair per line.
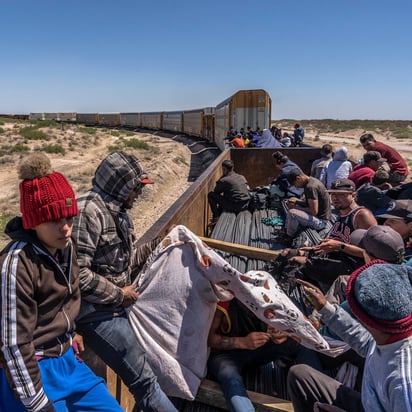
x,y
227,368
115,342
297,217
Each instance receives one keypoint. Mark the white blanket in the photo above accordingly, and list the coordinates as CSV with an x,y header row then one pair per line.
x,y
179,286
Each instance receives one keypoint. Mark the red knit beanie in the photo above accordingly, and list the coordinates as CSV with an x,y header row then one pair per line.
x,y
44,195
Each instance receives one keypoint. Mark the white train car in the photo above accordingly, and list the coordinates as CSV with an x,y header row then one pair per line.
x,y
245,108
152,120
36,116
173,121
66,117
130,120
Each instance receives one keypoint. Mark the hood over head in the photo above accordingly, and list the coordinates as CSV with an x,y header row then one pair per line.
x,y
118,174
341,154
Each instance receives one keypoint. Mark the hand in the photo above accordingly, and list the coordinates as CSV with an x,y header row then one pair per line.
x,y
78,344
327,246
277,335
130,295
255,340
314,295
291,202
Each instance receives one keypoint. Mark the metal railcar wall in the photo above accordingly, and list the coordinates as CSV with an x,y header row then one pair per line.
x,y
173,121
109,119
152,120
131,119
88,119
193,122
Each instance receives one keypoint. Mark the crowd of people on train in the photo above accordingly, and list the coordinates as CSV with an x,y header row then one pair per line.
x,y
67,280
351,278
268,138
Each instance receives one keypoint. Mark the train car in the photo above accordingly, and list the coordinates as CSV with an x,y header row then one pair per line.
x,y
109,119
66,117
15,116
173,121
152,120
245,108
50,116
193,211
36,116
199,122
88,119
132,120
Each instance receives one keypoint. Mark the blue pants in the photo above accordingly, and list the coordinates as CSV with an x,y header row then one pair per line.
x,y
115,342
69,383
227,368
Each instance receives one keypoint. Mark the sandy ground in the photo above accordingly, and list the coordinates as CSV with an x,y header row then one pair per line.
x,y
167,163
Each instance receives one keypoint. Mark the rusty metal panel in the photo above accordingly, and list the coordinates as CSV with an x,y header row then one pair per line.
x,y
173,121
130,119
152,120
109,119
88,119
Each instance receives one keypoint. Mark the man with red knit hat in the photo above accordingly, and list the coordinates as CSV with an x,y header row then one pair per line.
x,y
380,296
40,300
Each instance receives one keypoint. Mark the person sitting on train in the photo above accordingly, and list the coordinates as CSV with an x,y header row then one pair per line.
x,y
313,211
320,164
286,140
298,134
338,168
108,260
231,192
380,296
239,341
256,136
374,195
283,165
364,171
237,141
399,169
267,140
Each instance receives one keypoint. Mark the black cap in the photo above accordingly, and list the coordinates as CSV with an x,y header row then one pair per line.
x,y
342,186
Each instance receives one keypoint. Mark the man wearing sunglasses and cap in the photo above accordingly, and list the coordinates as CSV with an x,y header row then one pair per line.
x,y
107,257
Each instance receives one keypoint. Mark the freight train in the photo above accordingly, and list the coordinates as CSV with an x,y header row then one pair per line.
x,y
242,109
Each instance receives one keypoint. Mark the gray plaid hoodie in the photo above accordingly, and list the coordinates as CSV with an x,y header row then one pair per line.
x,y
104,235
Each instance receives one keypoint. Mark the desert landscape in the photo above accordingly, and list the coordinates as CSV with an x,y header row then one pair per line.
x,y
76,151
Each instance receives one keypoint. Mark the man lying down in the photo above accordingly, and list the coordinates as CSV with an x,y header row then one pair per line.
x,y
179,286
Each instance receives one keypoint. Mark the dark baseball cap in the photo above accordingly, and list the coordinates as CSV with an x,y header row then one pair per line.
x,y
342,186
382,242
373,155
398,209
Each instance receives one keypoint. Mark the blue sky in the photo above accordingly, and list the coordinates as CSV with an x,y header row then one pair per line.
x,y
317,59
